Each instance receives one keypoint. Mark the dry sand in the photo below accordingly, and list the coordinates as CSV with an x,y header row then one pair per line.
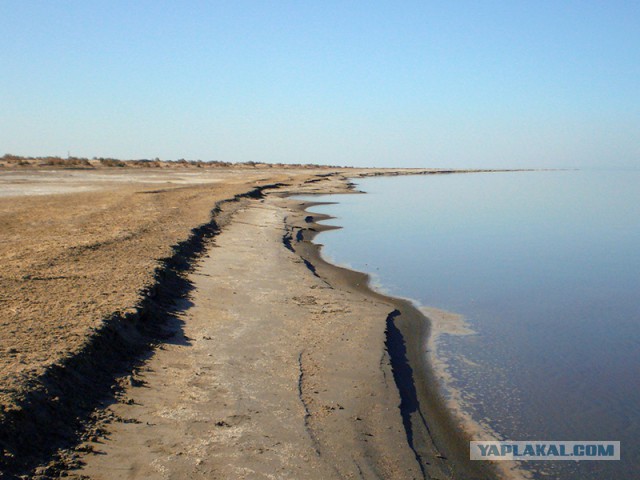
x,y
70,261
268,362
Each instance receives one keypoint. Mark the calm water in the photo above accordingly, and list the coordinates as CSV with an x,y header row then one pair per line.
x,y
545,268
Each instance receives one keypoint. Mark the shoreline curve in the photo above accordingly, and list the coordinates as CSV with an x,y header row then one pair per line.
x,y
440,446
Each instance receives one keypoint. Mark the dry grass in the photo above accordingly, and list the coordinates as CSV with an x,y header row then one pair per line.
x,y
9,160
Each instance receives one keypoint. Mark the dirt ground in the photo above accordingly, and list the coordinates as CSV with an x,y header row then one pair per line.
x,y
275,373
76,247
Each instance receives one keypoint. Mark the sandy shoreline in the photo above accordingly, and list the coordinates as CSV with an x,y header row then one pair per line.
x,y
342,396
435,438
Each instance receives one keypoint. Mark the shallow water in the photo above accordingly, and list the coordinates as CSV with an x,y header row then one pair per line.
x,y
545,269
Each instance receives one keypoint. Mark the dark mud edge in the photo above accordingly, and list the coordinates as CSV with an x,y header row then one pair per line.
x,y
60,406
440,446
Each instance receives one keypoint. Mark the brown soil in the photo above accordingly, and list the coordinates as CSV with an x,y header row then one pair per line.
x,y
71,261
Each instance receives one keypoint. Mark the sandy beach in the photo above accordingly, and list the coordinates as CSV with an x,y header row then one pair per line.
x,y
181,324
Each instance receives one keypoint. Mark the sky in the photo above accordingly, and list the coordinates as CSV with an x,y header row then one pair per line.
x,y
460,84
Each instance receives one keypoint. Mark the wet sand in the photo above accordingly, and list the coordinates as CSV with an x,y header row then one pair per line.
x,y
268,362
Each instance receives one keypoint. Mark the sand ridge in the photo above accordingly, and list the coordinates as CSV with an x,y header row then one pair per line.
x,y
279,365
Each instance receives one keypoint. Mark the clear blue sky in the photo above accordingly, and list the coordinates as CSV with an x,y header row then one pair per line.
x,y
399,83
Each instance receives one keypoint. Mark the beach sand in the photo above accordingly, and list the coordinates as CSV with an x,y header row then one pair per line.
x,y
147,339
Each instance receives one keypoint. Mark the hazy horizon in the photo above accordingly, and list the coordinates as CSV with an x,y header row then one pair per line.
x,y
416,84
